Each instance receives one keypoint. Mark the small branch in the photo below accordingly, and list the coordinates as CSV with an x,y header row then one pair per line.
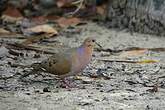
x,y
78,8
20,46
11,51
128,61
130,49
160,77
124,61
12,36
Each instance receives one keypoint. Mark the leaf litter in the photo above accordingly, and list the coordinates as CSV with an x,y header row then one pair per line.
x,y
126,81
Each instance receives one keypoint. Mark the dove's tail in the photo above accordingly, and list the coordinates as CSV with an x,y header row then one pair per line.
x,y
35,69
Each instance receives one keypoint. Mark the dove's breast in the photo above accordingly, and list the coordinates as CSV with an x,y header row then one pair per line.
x,y
80,61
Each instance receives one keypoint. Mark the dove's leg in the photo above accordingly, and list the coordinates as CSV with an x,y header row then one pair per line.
x,y
65,81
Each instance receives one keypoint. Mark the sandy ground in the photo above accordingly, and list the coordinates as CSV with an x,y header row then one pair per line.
x,y
129,86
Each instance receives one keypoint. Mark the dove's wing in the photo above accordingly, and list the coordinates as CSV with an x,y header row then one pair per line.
x,y
58,64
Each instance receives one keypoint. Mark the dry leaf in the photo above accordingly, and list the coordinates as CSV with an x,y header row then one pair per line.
x,y
33,39
101,9
39,19
26,23
33,21
11,19
133,53
65,22
11,14
52,17
147,61
3,31
46,29
64,3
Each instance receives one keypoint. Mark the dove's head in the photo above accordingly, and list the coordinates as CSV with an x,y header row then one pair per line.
x,y
89,42
88,45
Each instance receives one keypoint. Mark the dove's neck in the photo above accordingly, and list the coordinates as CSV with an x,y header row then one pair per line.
x,y
85,50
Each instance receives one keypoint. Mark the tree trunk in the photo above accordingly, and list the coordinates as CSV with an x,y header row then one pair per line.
x,y
146,16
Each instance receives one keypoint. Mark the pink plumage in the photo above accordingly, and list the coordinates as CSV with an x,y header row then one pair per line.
x,y
70,62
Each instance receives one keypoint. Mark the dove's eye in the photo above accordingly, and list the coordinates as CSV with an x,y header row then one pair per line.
x,y
93,40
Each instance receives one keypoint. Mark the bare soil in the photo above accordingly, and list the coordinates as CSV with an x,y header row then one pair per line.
x,y
129,86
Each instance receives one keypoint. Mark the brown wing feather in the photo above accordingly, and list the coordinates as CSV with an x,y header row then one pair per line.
x,y
57,64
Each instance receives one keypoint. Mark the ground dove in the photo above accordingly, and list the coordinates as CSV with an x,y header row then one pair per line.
x,y
69,62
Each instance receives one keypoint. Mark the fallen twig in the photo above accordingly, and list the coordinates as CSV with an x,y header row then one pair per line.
x,y
11,51
21,46
130,49
33,39
161,77
128,61
13,36
135,82
78,8
111,60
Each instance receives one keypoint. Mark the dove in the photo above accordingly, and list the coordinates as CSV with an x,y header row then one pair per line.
x,y
69,62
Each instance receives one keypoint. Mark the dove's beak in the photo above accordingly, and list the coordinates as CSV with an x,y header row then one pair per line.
x,y
98,44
